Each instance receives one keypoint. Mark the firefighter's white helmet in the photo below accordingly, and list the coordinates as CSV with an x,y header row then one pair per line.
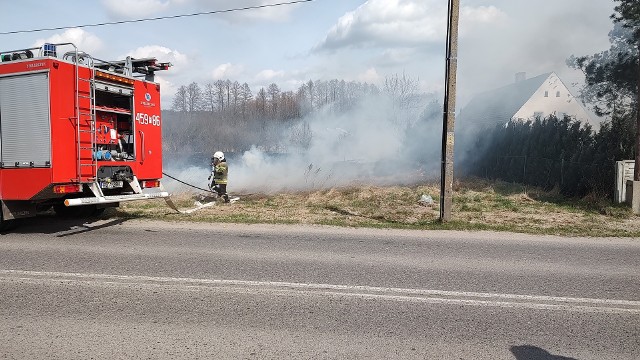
x,y
218,155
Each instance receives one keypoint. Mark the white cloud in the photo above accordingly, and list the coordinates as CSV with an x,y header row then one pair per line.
x,y
400,23
85,41
385,23
227,71
269,75
370,76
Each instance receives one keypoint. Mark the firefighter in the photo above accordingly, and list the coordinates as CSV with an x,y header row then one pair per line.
x,y
218,176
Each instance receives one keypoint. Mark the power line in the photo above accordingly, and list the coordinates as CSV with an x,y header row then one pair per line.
x,y
157,18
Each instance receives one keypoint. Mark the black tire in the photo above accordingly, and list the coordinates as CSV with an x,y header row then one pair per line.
x,y
69,211
83,211
8,225
97,212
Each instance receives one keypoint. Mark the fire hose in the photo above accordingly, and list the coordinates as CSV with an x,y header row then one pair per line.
x,y
199,205
182,182
196,187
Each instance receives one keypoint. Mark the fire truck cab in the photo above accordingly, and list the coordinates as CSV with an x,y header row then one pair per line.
x,y
77,133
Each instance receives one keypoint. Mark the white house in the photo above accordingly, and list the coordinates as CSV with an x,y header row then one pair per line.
x,y
524,99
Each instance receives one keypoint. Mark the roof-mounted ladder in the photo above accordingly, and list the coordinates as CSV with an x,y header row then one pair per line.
x,y
85,116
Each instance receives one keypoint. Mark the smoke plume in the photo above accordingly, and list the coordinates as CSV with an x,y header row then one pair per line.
x,y
376,142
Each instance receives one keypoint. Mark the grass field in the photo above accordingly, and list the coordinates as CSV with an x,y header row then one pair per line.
x,y
477,205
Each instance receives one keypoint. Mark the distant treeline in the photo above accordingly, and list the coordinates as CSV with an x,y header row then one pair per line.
x,y
555,153
229,116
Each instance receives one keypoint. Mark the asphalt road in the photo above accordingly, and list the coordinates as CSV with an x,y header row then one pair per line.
x,y
129,289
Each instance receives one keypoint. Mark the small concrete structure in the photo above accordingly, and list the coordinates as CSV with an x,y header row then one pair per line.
x,y
633,196
624,172
627,190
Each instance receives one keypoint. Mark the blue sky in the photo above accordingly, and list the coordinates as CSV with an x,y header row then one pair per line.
x,y
324,39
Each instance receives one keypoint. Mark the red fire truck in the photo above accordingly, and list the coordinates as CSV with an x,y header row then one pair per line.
x,y
77,133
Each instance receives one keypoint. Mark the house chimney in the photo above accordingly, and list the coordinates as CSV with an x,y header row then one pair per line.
x,y
521,76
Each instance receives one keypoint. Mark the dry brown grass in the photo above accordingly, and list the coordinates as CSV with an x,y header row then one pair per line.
x,y
477,205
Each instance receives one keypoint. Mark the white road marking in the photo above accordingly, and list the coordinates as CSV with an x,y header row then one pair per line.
x,y
358,291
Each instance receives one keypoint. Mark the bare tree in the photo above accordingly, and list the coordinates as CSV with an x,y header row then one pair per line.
x,y
180,100
322,94
227,90
289,107
209,97
194,97
302,98
261,102
402,90
245,98
235,96
273,92
404,95
334,91
301,135
311,90
220,87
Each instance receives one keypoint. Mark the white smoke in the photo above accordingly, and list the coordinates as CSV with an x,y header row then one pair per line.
x,y
368,144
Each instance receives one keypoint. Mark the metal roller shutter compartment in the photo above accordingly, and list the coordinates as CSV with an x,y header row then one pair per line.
x,y
25,139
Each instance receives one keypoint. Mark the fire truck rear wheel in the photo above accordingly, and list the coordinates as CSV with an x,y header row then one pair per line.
x,y
98,211
8,225
4,225
67,211
77,211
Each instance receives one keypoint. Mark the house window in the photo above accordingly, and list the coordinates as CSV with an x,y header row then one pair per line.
x,y
546,94
558,94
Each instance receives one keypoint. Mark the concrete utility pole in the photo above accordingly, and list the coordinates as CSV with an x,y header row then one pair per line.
x,y
449,116
635,185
